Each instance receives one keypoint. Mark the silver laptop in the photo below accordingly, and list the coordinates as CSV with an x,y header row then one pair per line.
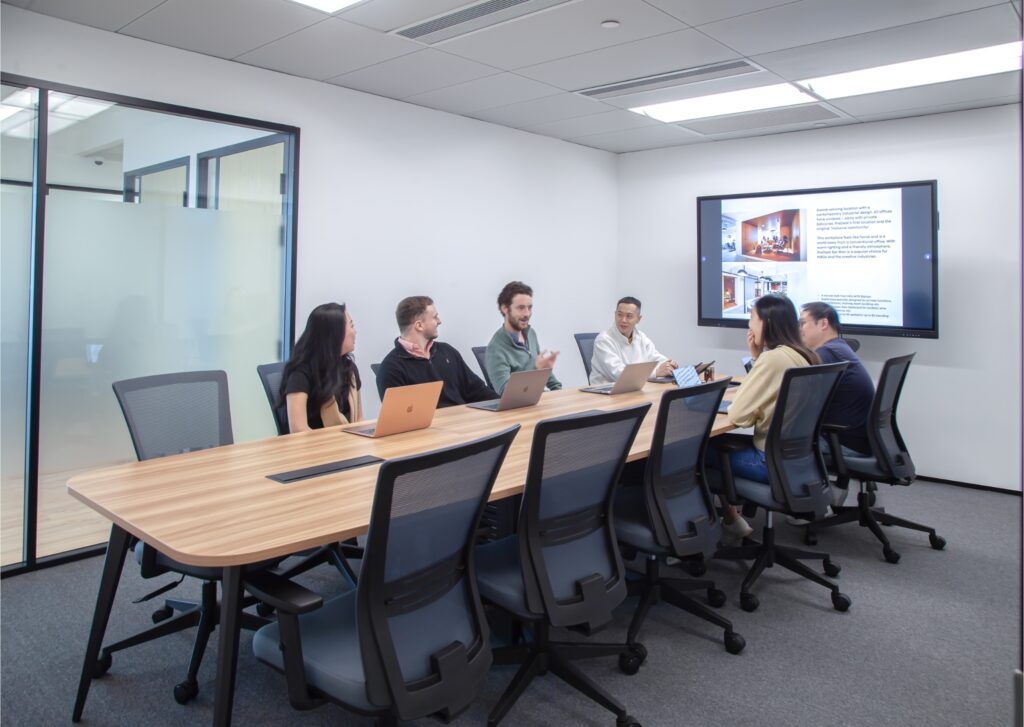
x,y
523,389
404,409
632,378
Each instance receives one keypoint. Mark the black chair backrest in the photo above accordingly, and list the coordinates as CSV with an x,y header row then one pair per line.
x,y
679,504
886,442
572,569
796,468
375,368
270,377
425,641
481,359
853,343
175,413
585,342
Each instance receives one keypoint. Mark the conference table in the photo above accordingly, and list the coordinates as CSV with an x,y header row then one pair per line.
x,y
217,507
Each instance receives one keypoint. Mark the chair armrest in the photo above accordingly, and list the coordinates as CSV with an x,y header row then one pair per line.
x,y
281,593
836,451
732,442
726,443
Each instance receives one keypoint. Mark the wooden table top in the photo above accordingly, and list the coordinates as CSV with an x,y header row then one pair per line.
x,y
216,507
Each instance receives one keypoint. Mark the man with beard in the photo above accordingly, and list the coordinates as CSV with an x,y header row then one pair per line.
x,y
514,346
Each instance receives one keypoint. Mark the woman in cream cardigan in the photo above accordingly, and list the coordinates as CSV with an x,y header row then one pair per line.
x,y
773,338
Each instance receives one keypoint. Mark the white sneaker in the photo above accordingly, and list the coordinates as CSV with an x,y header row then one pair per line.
x,y
734,532
797,521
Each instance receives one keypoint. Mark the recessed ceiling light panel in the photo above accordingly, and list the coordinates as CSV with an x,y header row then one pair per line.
x,y
327,6
731,102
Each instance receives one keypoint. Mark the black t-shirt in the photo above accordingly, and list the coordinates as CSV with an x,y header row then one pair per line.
x,y
852,401
299,382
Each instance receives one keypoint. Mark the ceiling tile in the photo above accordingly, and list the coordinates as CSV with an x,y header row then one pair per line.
x,y
18,3
593,124
483,93
414,73
562,31
329,49
813,21
541,110
225,28
105,14
648,137
953,33
645,57
999,85
392,14
698,12
943,108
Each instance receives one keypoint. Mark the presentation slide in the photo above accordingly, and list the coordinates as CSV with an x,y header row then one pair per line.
x,y
867,252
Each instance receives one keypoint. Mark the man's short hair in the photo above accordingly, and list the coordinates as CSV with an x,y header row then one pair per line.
x,y
511,290
819,310
411,308
629,300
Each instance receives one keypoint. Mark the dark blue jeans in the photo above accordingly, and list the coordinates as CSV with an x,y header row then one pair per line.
x,y
748,463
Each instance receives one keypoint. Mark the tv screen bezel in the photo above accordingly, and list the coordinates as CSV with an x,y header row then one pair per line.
x,y
851,329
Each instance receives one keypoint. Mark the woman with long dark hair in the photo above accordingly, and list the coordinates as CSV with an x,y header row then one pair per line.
x,y
773,337
320,383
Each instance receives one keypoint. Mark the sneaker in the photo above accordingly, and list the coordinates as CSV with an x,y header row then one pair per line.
x,y
797,521
734,532
838,496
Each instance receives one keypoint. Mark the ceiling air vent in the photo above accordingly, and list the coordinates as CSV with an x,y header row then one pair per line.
x,y
474,17
761,120
672,78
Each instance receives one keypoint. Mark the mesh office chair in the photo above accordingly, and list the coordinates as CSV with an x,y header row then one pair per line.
x,y
412,639
375,368
563,568
673,514
270,377
481,359
170,414
889,463
798,479
585,342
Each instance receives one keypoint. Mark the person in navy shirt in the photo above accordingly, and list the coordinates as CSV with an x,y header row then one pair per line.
x,y
821,332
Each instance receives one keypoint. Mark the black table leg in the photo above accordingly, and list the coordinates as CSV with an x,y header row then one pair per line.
x,y
227,653
117,548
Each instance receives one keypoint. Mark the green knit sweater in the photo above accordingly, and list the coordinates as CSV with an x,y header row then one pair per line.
x,y
504,357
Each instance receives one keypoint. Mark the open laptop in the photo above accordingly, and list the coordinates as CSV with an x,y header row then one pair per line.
x,y
523,389
404,409
632,378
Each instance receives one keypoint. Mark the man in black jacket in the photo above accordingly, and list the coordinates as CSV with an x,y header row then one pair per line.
x,y
418,357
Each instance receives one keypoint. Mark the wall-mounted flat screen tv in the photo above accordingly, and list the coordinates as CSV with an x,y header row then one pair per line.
x,y
869,251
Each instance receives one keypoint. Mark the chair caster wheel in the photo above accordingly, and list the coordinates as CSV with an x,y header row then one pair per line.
x,y
162,614
749,602
831,569
185,692
697,568
626,721
102,665
734,643
937,541
810,538
891,555
840,601
716,598
264,610
629,663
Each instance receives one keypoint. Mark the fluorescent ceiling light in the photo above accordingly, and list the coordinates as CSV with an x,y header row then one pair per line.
x,y
721,104
328,6
924,71
76,107
7,112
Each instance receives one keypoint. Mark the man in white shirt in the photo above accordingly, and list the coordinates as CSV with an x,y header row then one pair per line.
x,y
624,344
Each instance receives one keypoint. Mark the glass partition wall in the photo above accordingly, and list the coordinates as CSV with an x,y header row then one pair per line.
x,y
116,265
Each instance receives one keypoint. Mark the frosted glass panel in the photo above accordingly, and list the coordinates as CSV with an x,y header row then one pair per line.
x,y
140,289
16,150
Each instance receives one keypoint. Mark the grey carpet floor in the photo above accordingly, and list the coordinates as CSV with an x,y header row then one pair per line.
x,y
930,641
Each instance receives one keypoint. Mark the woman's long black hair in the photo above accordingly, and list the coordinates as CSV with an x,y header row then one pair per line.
x,y
318,352
781,325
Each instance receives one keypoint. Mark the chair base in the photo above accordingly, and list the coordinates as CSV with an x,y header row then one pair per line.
x,y
205,616
670,585
767,554
542,655
871,518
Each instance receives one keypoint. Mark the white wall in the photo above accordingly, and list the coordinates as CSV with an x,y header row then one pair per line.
x,y
394,199
960,410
